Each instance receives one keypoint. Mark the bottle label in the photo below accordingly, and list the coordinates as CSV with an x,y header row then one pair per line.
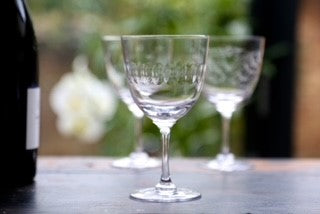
x,y
33,118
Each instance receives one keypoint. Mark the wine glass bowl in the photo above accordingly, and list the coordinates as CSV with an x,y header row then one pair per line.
x,y
138,159
233,69
165,75
164,97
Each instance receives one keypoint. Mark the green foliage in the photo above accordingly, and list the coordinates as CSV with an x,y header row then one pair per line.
x,y
79,24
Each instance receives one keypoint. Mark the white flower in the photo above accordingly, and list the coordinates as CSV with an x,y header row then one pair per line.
x,y
82,103
84,127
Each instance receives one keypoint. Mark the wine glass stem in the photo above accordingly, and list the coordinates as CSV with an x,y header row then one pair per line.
x,y
226,133
138,134
165,174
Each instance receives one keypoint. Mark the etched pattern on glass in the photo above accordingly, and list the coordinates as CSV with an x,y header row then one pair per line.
x,y
166,91
234,69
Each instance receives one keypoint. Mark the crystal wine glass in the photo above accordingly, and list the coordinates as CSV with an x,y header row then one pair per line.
x,y
138,159
233,70
165,75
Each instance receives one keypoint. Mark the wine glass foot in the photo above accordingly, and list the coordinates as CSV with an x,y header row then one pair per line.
x,y
136,160
154,195
228,163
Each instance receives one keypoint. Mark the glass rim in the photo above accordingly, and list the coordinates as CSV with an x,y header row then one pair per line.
x,y
111,37
236,37
115,37
169,36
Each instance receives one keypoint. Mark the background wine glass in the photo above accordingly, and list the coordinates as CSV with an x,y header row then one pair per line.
x,y
165,75
138,159
233,70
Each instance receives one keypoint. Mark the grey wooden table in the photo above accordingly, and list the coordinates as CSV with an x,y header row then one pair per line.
x,y
90,185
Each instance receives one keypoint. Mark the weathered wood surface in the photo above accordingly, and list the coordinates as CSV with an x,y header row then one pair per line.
x,y
91,185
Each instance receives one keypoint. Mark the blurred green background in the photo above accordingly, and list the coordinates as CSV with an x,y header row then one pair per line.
x,y
68,28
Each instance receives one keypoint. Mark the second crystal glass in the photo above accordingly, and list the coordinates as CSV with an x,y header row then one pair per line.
x,y
234,67
116,75
165,75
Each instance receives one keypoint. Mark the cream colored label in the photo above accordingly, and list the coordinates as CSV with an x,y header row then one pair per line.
x,y
33,118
